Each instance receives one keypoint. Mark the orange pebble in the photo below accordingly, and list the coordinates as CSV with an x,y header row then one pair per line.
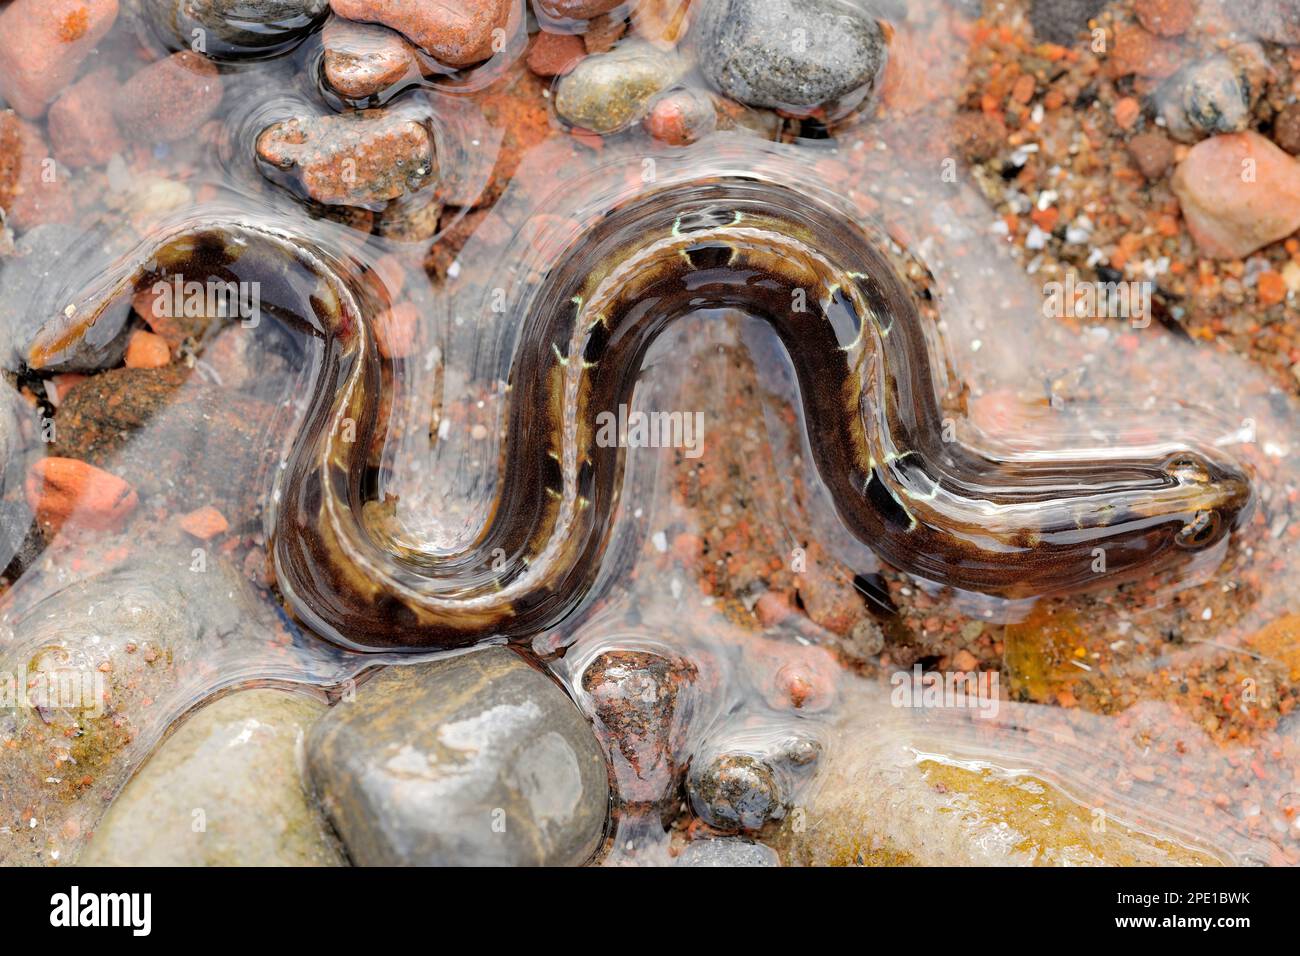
x,y
147,350
1127,111
59,489
204,523
1023,91
395,330
1272,289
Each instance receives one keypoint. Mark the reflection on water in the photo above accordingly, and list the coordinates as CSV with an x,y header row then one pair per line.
x,y
1163,701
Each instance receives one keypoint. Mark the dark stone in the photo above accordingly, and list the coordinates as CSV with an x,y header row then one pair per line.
x,y
642,703
1212,96
477,759
234,29
795,57
1062,21
735,791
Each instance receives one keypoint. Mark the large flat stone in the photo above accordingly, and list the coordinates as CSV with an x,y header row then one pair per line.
x,y
473,760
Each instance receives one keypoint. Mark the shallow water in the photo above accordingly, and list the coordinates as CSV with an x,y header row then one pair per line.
x,y
1013,380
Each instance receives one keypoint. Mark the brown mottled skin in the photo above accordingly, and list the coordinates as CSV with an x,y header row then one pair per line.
x,y
936,508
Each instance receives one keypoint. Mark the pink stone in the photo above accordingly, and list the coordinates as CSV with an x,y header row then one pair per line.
x,y
456,33
82,129
33,189
1239,192
170,99
362,59
42,42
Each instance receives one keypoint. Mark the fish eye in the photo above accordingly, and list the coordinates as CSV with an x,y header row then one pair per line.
x,y
1203,529
1188,469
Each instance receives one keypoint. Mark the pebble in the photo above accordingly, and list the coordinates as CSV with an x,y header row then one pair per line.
x,y
1153,152
576,9
204,523
156,628
796,57
169,99
223,790
1166,18
363,59
458,35
641,704
1286,129
146,350
352,159
608,92
1212,96
43,43
82,129
876,804
555,54
63,490
727,851
477,759
1062,21
681,117
32,189
233,28
1228,216
735,791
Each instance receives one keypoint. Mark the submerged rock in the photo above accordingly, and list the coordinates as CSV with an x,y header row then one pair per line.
x,y
352,159
457,34
107,661
610,91
795,57
724,851
554,54
82,129
32,189
363,59
1212,96
170,99
735,791
642,704
1238,193
474,759
223,790
233,28
42,43
877,803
